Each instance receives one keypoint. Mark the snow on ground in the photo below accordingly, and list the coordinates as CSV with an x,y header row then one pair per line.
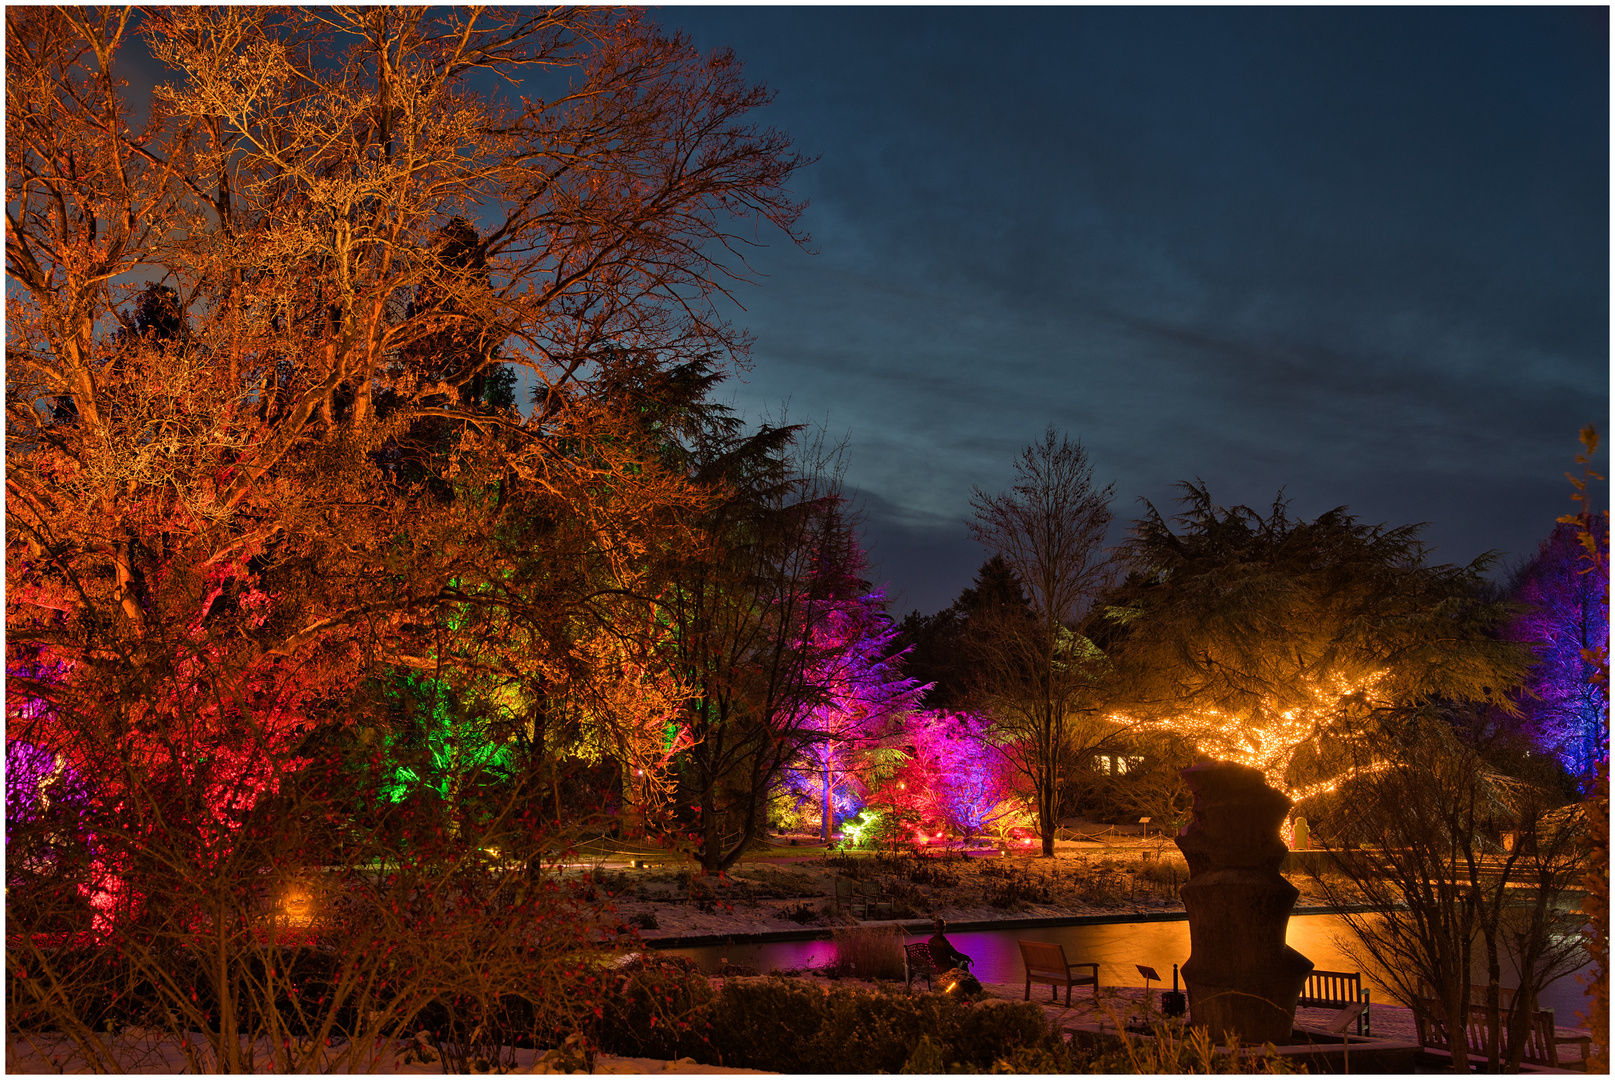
x,y
761,893
758,897
142,1053
153,1055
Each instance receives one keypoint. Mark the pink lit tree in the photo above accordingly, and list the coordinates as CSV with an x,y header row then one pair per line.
x,y
954,776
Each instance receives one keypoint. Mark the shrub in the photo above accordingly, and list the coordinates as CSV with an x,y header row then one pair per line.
x,y
765,1024
1175,1048
995,1029
803,913
865,1032
785,1026
274,933
659,1009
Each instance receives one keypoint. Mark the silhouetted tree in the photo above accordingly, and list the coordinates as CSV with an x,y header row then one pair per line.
x,y
747,612
1039,673
1417,833
939,651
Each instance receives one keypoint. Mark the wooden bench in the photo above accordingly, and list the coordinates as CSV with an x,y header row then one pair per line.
x,y
849,896
1429,1023
874,896
918,961
1429,1014
1477,994
1334,990
1542,1042
1436,1034
1046,963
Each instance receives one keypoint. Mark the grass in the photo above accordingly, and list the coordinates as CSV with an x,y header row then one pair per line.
x,y
869,952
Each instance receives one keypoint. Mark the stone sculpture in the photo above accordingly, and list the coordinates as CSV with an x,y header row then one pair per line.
x,y
1241,977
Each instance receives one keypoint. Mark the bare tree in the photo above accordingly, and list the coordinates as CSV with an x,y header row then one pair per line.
x,y
1040,673
1418,837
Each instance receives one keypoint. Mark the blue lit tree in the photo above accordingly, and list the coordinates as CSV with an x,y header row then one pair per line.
x,y
1565,619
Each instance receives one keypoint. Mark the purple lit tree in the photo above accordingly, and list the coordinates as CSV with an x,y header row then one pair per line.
x,y
36,780
1566,620
862,691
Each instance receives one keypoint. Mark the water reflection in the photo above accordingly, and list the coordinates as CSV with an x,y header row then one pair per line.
x,y
1116,947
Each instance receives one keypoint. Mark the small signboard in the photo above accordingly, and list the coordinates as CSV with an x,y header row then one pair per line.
x,y
1344,1017
1148,972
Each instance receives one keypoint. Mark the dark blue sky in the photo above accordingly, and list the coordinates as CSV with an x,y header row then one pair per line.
x,y
1358,253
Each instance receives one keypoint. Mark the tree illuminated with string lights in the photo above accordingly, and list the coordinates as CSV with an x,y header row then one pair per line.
x,y
1278,642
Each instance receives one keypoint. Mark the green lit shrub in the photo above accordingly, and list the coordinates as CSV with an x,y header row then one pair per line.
x,y
860,831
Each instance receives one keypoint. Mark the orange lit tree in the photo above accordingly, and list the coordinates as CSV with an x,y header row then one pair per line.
x,y
253,452
1279,642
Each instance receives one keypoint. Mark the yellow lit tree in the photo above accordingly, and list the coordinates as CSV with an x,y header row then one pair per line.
x,y
1275,641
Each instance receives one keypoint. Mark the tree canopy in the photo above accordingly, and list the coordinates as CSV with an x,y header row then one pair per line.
x,y
1270,638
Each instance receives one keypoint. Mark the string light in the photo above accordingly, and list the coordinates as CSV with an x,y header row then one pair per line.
x,y
1271,735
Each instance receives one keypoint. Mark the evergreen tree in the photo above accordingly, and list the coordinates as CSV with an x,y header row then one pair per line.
x,y
1564,618
1275,641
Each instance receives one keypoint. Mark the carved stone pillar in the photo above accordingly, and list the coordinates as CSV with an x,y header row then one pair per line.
x,y
1241,976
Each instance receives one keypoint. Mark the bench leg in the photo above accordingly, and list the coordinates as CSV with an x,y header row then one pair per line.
x,y
1068,993
1028,996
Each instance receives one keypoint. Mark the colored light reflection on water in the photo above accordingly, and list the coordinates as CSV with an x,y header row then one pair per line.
x,y
1116,947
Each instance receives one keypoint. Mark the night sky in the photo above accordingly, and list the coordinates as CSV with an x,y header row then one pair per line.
x,y
1360,254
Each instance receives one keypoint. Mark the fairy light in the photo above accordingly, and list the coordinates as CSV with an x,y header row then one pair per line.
x,y
1269,737
298,906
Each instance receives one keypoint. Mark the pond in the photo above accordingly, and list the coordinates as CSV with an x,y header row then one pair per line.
x,y
1116,947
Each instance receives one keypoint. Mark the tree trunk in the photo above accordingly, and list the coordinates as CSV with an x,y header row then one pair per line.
x,y
711,857
1051,779
1494,982
1458,1021
748,830
827,808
